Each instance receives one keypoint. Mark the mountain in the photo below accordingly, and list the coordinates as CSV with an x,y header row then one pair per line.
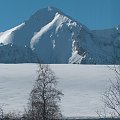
x,y
53,37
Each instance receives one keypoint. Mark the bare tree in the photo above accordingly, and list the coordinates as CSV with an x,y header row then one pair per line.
x,y
111,96
44,98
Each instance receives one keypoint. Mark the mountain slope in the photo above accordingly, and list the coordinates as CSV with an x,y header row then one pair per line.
x,y
53,37
7,36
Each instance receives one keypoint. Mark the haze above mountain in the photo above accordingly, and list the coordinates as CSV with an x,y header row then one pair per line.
x,y
52,37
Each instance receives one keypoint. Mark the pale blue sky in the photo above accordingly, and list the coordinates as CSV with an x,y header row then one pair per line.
x,y
95,14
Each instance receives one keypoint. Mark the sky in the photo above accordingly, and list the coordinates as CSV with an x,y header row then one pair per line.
x,y
95,14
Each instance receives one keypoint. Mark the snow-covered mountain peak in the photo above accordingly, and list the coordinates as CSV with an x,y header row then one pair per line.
x,y
58,35
54,37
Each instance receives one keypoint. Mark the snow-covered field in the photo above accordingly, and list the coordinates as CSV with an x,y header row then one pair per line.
x,y
82,86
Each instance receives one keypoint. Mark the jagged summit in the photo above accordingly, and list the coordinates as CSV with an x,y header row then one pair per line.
x,y
54,37
49,9
45,13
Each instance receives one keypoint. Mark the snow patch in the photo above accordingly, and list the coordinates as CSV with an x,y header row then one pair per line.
x,y
6,37
35,39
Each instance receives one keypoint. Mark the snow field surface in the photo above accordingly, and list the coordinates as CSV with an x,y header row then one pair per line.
x,y
82,86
